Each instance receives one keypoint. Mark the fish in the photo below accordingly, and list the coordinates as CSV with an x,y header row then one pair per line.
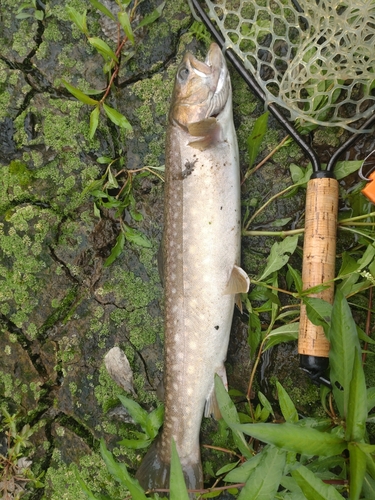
x,y
202,276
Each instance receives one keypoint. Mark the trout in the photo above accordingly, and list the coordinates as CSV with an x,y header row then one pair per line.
x,y
201,259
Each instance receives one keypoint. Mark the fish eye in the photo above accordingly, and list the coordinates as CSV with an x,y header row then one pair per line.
x,y
183,74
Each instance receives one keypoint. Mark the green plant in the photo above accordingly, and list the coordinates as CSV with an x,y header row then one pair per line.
x,y
120,181
125,17
33,9
103,192
15,472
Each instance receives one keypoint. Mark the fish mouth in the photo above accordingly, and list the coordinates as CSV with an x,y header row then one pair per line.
x,y
215,60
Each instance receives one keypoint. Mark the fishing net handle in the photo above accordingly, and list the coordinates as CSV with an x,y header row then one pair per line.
x,y
319,257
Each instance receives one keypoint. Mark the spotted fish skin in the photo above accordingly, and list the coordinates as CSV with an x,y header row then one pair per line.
x,y
201,258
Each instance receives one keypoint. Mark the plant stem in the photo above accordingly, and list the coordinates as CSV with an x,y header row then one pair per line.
x,y
251,171
270,200
281,234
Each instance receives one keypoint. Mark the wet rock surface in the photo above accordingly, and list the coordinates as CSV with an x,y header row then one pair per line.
x,y
61,308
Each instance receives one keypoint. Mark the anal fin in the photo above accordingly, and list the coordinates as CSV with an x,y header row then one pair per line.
x,y
239,282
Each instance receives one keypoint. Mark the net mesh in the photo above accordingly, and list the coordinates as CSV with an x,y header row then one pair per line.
x,y
316,58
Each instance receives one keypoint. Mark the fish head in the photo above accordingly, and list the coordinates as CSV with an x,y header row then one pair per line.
x,y
201,89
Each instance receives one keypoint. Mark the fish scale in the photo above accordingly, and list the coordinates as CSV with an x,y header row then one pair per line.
x,y
201,255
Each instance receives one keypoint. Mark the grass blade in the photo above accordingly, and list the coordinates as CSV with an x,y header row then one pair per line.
x,y
177,484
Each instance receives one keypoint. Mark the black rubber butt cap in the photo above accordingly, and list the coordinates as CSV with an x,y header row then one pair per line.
x,y
315,367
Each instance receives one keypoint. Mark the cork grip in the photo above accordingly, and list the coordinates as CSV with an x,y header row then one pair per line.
x,y
319,254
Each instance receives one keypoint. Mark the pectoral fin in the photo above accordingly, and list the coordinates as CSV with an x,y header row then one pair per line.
x,y
239,282
212,408
208,131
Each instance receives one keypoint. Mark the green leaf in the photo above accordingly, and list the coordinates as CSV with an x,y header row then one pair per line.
x,y
255,139
369,486
150,18
23,15
79,94
230,416
370,398
39,15
286,405
135,444
241,474
138,414
264,401
357,468
117,118
226,468
126,26
344,341
313,488
318,311
300,175
112,181
264,481
103,9
116,250
297,279
284,333
154,421
104,160
357,403
348,284
120,474
86,490
94,121
137,237
345,168
279,255
348,265
293,437
78,19
103,48
177,484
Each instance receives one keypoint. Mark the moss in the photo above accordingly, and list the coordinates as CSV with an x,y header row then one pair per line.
x,y
23,38
63,483
10,388
107,391
22,238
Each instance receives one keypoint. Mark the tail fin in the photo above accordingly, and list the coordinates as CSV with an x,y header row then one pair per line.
x,y
154,473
